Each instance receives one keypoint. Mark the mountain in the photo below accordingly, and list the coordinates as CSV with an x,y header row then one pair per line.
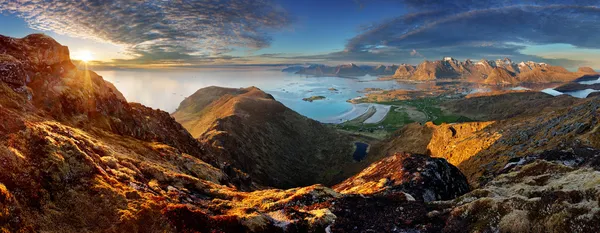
x,y
348,70
77,157
250,130
501,71
318,70
444,69
404,71
500,76
292,69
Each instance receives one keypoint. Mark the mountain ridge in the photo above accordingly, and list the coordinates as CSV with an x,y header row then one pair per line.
x,y
502,71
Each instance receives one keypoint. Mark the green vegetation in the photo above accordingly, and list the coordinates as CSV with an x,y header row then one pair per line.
x,y
431,108
392,122
399,116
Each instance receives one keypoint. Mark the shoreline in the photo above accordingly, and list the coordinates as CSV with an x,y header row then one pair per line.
x,y
358,111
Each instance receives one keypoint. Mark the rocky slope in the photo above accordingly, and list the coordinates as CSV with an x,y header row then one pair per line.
x,y
250,130
76,157
514,125
424,178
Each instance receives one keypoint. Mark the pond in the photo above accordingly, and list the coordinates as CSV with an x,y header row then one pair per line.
x,y
361,151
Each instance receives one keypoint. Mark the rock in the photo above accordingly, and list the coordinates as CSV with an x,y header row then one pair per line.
x,y
12,71
424,178
383,213
539,196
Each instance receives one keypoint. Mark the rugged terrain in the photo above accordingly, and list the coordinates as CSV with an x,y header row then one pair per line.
x,y
77,157
502,71
499,72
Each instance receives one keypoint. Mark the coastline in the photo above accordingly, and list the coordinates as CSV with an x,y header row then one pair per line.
x,y
359,110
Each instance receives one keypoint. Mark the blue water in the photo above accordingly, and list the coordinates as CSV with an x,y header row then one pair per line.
x,y
361,151
165,89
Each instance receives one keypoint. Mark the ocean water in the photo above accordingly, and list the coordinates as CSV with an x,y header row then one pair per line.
x,y
165,89
591,81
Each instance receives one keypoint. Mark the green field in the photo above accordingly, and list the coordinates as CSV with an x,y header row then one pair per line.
x,y
394,120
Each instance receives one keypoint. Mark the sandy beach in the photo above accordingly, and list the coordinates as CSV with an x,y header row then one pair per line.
x,y
360,109
381,112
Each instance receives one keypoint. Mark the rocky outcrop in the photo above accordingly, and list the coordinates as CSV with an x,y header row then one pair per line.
x,y
80,97
12,71
555,192
424,178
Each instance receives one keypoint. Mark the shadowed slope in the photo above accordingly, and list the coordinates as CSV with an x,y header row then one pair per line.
x,y
252,131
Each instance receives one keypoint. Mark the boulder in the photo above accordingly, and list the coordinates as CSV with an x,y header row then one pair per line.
x,y
422,177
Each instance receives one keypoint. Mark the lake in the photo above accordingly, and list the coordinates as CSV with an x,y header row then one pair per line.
x,y
165,89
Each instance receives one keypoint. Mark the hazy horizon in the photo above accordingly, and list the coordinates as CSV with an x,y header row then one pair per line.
x,y
297,32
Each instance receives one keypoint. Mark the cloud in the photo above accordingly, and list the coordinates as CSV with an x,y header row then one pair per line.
x,y
414,53
483,29
157,30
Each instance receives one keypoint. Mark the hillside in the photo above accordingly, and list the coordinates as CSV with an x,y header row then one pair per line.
x,y
77,157
510,126
250,130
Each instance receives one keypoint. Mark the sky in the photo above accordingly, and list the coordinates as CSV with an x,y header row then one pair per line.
x,y
158,33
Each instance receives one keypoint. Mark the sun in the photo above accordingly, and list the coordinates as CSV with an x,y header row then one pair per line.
x,y
84,55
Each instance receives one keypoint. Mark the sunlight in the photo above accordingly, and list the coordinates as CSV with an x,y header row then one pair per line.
x,y
83,55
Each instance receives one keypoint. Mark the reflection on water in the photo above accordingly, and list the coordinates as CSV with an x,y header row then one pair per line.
x,y
581,93
165,89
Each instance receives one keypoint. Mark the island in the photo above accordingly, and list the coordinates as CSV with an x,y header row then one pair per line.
x,y
313,98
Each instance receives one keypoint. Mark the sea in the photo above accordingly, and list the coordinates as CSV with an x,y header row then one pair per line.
x,y
165,88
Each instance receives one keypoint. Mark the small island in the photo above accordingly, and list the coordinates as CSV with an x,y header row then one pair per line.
x,y
332,89
313,98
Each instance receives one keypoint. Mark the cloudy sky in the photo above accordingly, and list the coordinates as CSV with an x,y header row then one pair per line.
x,y
157,33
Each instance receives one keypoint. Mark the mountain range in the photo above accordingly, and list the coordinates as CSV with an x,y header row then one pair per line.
x,y
501,71
77,157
